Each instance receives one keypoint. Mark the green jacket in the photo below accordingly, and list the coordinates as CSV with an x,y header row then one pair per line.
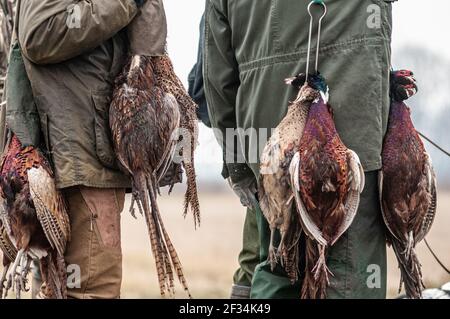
x,y
72,52
252,46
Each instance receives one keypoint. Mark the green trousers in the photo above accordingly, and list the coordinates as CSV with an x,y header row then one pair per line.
x,y
357,260
249,257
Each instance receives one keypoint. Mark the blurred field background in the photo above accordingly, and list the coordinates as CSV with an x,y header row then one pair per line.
x,y
209,254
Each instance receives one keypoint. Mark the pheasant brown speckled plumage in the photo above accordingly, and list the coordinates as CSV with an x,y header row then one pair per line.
x,y
143,119
407,194
35,223
169,82
275,193
328,179
9,253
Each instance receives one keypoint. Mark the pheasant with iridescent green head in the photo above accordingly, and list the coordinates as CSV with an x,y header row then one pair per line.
x,y
275,191
327,178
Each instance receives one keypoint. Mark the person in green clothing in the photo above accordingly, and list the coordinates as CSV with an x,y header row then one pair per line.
x,y
249,256
250,47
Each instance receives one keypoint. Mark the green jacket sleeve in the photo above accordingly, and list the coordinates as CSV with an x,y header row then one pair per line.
x,y
221,72
52,31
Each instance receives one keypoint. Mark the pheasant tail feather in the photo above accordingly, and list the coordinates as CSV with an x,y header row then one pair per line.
x,y
410,269
191,196
309,287
166,257
53,268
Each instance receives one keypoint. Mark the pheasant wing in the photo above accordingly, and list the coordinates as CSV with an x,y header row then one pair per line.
x,y
308,224
269,166
355,186
4,220
170,83
384,207
6,245
428,219
50,208
170,103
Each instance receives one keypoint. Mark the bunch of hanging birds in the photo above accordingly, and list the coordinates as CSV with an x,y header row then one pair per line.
x,y
407,185
34,223
305,162
310,181
275,191
319,175
327,179
149,107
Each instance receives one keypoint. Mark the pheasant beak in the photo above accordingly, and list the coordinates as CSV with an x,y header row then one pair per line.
x,y
289,81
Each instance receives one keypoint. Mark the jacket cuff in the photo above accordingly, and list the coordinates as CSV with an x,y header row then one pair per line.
x,y
139,3
238,171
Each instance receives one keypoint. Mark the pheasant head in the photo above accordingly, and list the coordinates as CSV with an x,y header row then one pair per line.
x,y
309,89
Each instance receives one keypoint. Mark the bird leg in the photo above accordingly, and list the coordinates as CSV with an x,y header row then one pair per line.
x,y
13,272
25,271
400,286
321,267
17,274
409,246
135,198
272,251
20,277
3,279
279,249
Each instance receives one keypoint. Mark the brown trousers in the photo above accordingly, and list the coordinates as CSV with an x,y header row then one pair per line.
x,y
94,254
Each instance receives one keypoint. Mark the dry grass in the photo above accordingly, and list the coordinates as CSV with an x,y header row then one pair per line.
x,y
210,253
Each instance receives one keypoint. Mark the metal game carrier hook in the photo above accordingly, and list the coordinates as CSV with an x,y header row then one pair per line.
x,y
319,2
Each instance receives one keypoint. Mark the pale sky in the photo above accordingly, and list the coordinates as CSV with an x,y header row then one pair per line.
x,y
416,22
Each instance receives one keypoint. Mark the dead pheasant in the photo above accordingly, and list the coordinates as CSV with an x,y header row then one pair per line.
x,y
275,193
328,179
143,120
35,223
407,185
168,81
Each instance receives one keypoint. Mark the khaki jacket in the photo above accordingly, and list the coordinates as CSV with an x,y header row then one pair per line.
x,y
72,52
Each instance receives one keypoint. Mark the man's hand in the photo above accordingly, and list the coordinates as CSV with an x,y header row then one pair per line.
x,y
243,182
246,189
403,85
